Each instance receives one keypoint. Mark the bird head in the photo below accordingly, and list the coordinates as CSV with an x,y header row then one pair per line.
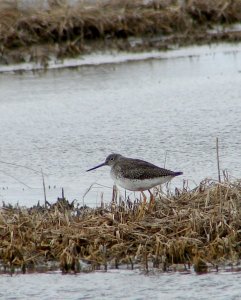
x,y
109,161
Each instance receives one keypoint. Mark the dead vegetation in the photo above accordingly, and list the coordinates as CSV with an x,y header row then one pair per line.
x,y
200,227
30,34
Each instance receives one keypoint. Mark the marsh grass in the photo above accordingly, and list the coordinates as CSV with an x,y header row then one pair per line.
x,y
199,227
29,33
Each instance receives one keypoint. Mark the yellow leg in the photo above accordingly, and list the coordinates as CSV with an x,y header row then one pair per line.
x,y
152,199
144,196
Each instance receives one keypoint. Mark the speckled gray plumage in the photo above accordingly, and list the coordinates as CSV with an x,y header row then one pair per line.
x,y
138,169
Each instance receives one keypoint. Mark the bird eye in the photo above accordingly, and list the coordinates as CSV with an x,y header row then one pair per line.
x,y
112,158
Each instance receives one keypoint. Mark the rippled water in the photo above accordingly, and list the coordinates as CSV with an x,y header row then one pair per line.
x,y
66,121
122,284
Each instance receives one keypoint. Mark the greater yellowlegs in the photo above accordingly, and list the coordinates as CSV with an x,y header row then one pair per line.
x,y
135,174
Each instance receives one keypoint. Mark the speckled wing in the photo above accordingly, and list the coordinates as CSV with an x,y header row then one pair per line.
x,y
139,169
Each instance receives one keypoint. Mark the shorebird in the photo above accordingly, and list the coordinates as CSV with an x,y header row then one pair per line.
x,y
135,174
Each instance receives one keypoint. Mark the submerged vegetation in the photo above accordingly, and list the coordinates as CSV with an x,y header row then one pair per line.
x,y
64,30
199,227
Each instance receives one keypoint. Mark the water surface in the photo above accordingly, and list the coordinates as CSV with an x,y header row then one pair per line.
x,y
122,284
66,121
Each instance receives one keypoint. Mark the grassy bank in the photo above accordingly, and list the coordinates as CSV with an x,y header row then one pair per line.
x,y
200,227
61,30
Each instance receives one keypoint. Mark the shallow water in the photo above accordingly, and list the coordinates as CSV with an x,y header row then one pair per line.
x,y
122,284
66,121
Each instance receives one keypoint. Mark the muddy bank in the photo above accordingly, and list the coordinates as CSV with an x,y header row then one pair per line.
x,y
199,227
61,30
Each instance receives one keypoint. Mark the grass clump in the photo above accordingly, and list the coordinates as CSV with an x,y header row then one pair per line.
x,y
200,227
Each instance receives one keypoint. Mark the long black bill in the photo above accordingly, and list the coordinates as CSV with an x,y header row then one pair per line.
x,y
101,165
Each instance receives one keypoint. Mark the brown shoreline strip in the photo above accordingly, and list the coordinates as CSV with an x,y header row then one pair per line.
x,y
33,34
199,227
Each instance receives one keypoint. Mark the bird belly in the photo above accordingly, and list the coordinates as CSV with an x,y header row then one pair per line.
x,y
141,185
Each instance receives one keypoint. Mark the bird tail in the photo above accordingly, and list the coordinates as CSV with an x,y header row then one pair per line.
x,y
178,173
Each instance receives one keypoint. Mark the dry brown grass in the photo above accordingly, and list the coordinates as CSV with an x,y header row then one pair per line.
x,y
71,30
198,227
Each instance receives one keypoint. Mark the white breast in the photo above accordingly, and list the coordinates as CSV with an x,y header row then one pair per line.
x,y
140,185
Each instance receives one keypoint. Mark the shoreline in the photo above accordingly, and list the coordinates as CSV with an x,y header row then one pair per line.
x,y
31,35
196,229
111,57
